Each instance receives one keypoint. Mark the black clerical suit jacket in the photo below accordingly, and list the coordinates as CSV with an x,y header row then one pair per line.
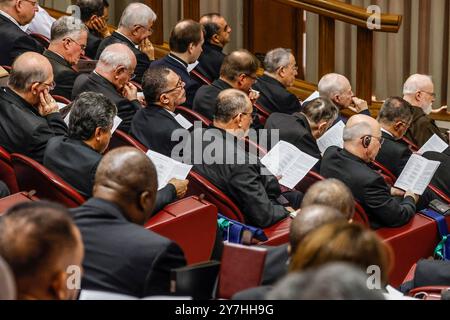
x,y
63,73
153,127
393,154
122,257
143,61
441,178
274,97
369,188
295,129
23,130
96,83
93,42
14,41
253,192
205,99
180,67
76,163
210,61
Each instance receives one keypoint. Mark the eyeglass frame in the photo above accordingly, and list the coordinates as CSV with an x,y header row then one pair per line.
x,y
380,139
254,78
180,84
34,3
82,46
432,94
51,86
148,30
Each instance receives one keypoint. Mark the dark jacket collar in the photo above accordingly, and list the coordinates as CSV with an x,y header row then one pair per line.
x,y
301,118
5,19
15,99
388,136
154,108
102,208
351,156
417,113
105,82
178,60
212,47
54,56
122,38
221,85
271,80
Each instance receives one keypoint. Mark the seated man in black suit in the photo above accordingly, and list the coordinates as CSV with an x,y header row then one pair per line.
x,y
238,72
29,116
68,41
185,43
94,14
385,206
75,157
217,36
154,125
112,77
227,165
135,28
280,72
121,256
43,247
13,40
395,117
441,179
338,89
303,129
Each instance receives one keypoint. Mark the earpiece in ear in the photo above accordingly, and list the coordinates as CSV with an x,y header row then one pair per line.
x,y
366,140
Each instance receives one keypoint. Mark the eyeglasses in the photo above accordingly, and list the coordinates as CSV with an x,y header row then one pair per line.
x,y
254,78
244,113
50,85
33,3
150,30
432,94
82,46
180,84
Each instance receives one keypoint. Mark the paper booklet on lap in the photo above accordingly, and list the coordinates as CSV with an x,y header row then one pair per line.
x,y
434,144
333,137
417,174
315,95
289,162
167,168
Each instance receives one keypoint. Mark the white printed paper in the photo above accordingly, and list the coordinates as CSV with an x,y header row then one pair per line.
x,y
167,168
61,105
289,162
116,124
182,121
192,66
434,144
333,137
315,95
417,174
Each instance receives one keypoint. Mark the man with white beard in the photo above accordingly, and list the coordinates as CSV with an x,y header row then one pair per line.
x,y
418,90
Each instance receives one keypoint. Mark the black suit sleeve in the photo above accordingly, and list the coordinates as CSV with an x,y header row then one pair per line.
x,y
64,85
390,211
158,280
165,196
25,44
261,211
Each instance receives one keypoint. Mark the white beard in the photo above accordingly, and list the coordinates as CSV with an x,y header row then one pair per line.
x,y
428,109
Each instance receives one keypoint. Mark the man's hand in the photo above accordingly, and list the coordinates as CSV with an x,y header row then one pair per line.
x,y
397,192
130,91
253,95
181,187
413,195
147,47
442,109
47,104
359,105
99,25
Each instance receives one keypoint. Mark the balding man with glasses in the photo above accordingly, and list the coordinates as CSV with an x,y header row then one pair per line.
x,y
13,40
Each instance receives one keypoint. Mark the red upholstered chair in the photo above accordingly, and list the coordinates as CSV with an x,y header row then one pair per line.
x,y
412,146
310,178
61,99
360,215
31,175
16,198
7,68
440,193
262,113
7,173
43,40
241,268
200,78
191,223
121,139
428,293
193,116
388,176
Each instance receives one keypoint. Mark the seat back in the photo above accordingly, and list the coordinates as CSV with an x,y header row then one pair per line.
x,y
193,116
262,113
429,293
361,215
199,185
16,198
31,175
43,40
241,268
200,78
387,175
7,173
414,148
61,99
310,179
121,139
440,193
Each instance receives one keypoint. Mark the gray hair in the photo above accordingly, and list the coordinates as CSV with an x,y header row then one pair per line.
x,y
321,109
276,58
330,85
415,83
111,58
395,109
229,103
67,26
136,14
357,131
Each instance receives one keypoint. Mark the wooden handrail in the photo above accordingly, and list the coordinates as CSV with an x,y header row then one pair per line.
x,y
344,12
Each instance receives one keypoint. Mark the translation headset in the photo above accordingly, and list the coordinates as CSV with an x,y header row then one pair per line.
x,y
366,140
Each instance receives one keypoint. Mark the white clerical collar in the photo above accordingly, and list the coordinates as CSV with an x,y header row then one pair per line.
x,y
172,113
3,13
385,131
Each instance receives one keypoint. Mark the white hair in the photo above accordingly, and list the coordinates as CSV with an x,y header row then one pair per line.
x,y
331,84
356,131
136,14
115,55
415,83
277,58
67,26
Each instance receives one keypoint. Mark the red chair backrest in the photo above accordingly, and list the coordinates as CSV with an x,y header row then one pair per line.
x,y
412,146
31,175
16,198
361,215
7,68
262,113
200,78
193,116
428,293
7,173
385,171
440,193
61,99
310,179
121,139
43,40
138,85
199,185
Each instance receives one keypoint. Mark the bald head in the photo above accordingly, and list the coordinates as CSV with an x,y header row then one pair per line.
x,y
332,193
362,137
415,83
337,88
124,176
29,68
310,218
237,63
114,56
418,90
